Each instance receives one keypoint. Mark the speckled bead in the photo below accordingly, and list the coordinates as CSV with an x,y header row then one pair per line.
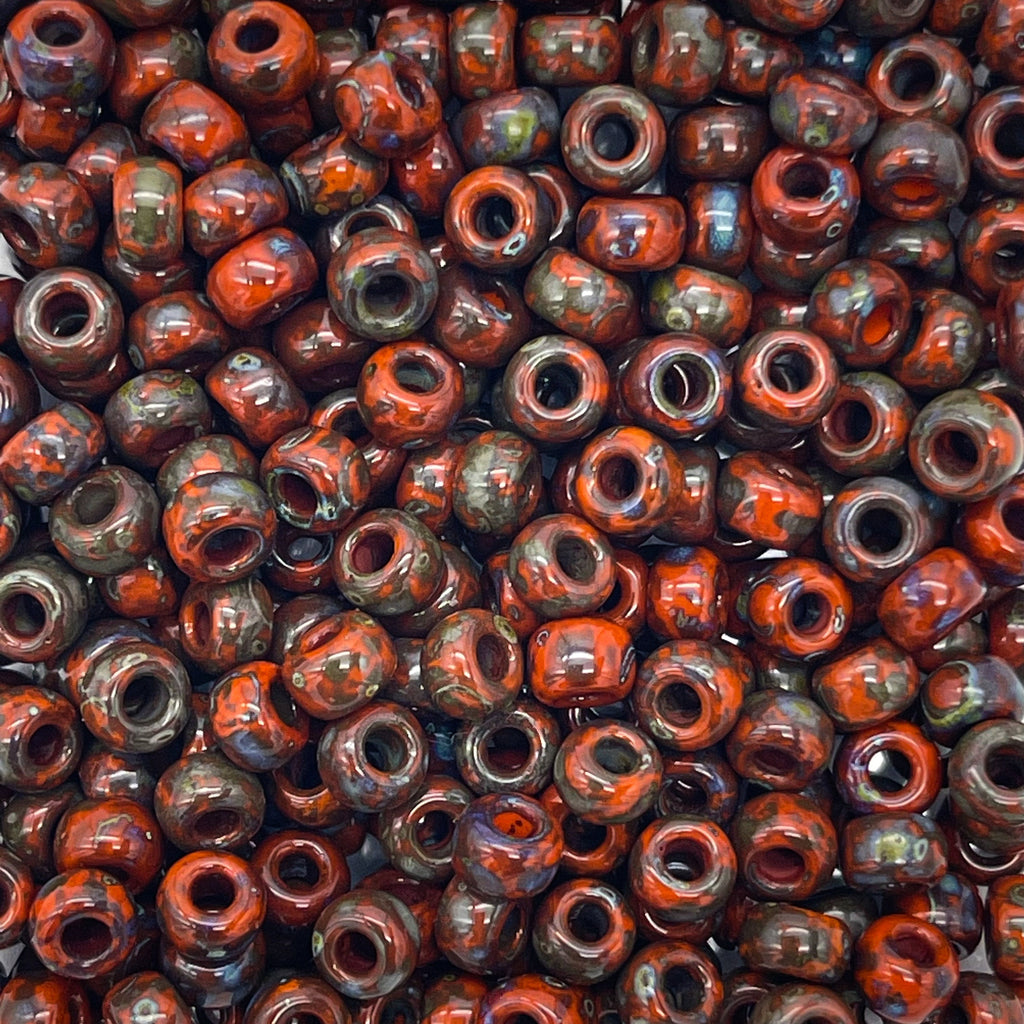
x,y
797,942
887,851
662,965
123,1002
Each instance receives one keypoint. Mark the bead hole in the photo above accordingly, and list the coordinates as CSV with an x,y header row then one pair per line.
x,y
303,771
878,324
145,700
44,745
435,831
94,501
212,892
1005,767
778,865
618,478
1009,137
256,36
511,928
804,179
385,750
685,860
616,756
954,452
680,704
684,384
879,531
614,598
557,386
492,657
230,547
416,378
58,31
583,837
912,79
24,615
852,422
791,372
514,825
212,825
809,612
890,771
684,796
307,550
86,938
495,217
507,750
910,945
576,559
355,954
202,624
282,703
64,315
774,761
683,992
19,232
614,138
589,921
914,190
1013,519
372,552
410,90
388,295
296,493
298,872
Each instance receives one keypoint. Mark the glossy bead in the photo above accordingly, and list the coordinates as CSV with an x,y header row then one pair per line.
x,y
786,846
19,397
719,226
561,566
865,431
59,52
906,968
718,142
262,54
997,39
368,918
210,905
296,995
914,168
141,991
261,277
137,285
953,905
797,942
563,50
215,985
822,111
19,890
374,758
608,772
547,1000
147,198
699,783
923,251
214,453
83,924
331,174
968,690
178,331
800,1003
686,590
663,966
890,850
514,127
197,128
983,999
478,933
481,37
29,823
780,739
768,500
793,271
625,235
699,301
219,527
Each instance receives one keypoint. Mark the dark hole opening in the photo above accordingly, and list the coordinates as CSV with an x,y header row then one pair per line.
x,y
492,657
809,612
19,232
890,771
202,623
1013,518
743,1013
85,939
398,1010
355,954
386,296
589,921
6,896
778,865
410,90
683,992
230,546
256,35
685,860
435,831
685,384
852,422
416,378
557,386
365,220
495,217
680,704
304,772
510,928
575,559
912,79
24,615
304,550
1009,137
372,552
879,531
615,756
297,494
58,31
45,745
912,946
879,323
955,452
581,836
614,138
212,892
216,824
298,872
804,180
618,478
1004,766
1009,260
145,700
508,750
614,598
775,761
94,501
385,749
955,1015
64,315
791,372
683,795
282,703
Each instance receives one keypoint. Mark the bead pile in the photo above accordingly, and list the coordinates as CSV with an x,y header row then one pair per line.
x,y
512,514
